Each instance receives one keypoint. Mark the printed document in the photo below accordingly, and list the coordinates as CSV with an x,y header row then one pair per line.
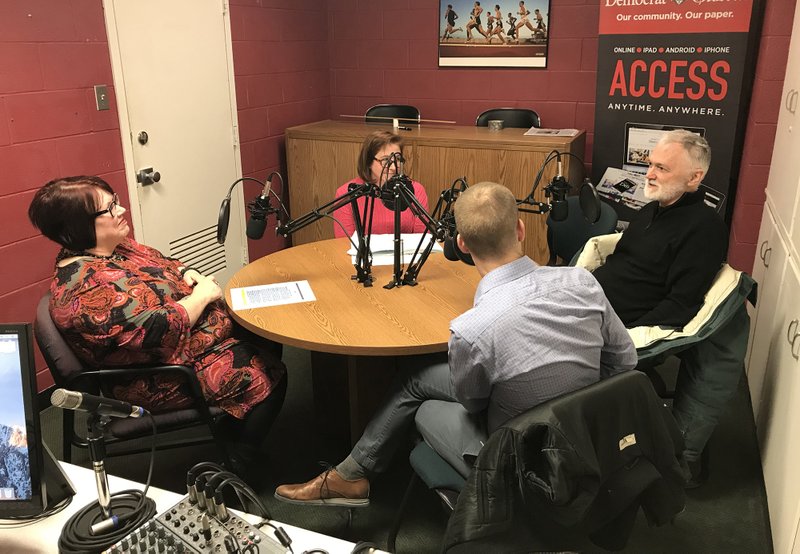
x,y
276,294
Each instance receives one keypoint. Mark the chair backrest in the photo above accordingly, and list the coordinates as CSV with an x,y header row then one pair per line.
x,y
580,463
566,238
511,117
62,361
405,114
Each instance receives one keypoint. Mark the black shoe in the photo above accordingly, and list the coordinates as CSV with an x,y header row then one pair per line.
x,y
699,474
248,463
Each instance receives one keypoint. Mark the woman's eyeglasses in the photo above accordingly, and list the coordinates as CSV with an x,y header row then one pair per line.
x,y
110,210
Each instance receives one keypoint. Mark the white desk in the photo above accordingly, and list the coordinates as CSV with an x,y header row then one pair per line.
x,y
42,537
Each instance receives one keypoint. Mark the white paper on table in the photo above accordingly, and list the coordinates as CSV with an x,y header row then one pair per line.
x,y
382,247
276,294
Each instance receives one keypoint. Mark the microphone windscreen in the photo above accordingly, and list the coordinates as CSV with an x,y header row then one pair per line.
x,y
223,219
256,228
559,210
449,247
589,202
387,193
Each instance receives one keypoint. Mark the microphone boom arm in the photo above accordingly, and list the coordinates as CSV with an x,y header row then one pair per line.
x,y
363,222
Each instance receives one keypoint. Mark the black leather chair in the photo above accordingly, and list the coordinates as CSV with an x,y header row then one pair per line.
x,y
68,372
511,117
566,238
383,113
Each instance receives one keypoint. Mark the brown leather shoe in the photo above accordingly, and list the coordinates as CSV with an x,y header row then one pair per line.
x,y
327,489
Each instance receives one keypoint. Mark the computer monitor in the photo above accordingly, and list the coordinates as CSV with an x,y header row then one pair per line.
x,y
26,466
640,138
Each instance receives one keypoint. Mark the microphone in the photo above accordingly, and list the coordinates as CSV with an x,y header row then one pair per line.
x,y
558,189
259,210
448,222
392,201
72,400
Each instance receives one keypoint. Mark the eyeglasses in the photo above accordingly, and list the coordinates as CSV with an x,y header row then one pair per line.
x,y
386,159
110,210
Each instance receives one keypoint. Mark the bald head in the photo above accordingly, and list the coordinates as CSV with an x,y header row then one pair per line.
x,y
486,217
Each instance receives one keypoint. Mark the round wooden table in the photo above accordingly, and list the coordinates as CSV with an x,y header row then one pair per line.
x,y
348,318
356,323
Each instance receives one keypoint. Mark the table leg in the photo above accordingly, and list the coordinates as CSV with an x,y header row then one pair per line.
x,y
348,390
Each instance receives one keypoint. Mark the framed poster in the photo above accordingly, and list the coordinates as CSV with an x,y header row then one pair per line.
x,y
508,33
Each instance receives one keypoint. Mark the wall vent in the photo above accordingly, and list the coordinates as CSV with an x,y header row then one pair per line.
x,y
200,250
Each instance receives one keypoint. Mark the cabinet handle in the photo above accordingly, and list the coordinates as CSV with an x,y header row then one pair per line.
x,y
791,100
791,331
796,347
761,252
767,257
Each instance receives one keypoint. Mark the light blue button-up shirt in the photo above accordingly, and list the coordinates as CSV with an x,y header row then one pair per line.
x,y
534,333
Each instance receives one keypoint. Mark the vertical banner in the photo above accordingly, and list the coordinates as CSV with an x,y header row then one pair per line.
x,y
671,64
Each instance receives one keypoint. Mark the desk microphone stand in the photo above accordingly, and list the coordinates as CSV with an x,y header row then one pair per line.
x,y
362,220
97,453
435,224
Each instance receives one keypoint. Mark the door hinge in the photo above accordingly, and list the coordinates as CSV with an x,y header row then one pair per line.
x,y
245,256
235,132
224,7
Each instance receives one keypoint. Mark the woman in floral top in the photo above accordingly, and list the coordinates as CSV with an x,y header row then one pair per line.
x,y
120,303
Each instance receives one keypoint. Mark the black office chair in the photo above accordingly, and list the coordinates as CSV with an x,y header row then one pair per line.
x,y
383,113
566,238
511,117
68,372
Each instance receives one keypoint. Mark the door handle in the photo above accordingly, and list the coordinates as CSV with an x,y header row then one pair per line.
x,y
763,253
147,176
791,100
791,331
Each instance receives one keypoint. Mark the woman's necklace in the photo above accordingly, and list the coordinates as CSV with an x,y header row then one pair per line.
x,y
65,253
116,257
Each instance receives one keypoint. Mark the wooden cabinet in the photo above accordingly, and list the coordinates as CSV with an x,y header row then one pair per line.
x,y
773,366
322,156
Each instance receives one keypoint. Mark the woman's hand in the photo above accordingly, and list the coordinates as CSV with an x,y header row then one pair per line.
x,y
191,277
207,288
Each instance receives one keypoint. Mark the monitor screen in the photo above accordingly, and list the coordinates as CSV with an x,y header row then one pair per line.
x,y
20,446
640,138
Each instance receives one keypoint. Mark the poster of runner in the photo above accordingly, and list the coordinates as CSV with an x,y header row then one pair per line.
x,y
669,64
493,34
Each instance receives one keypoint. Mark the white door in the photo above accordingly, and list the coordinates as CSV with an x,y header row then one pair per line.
x,y
173,76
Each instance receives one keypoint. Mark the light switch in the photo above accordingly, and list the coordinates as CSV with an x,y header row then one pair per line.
x,y
101,97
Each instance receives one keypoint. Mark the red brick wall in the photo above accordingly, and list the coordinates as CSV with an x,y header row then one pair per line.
x,y
51,54
385,51
282,79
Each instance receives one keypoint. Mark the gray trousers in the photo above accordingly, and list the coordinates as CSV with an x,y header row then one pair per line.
x,y
424,382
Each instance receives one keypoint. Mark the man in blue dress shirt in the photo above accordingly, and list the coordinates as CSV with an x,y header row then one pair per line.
x,y
534,333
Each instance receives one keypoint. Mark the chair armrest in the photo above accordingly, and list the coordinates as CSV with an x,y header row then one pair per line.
x,y
596,250
133,371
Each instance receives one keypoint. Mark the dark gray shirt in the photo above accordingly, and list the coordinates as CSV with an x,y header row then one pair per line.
x,y
534,333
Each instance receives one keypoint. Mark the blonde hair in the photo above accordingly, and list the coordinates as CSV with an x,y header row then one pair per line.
x,y
486,217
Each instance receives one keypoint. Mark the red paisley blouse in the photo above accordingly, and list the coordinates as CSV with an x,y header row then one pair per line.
x,y
125,311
